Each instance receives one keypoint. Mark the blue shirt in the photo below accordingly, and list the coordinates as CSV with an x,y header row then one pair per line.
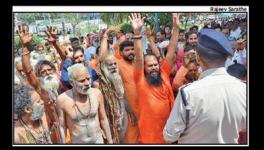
x,y
88,52
64,73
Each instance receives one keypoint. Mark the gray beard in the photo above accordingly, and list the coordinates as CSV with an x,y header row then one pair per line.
x,y
116,80
51,85
37,113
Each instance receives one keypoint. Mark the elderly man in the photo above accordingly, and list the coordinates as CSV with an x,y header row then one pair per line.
x,y
81,110
112,88
126,67
32,127
212,109
44,80
153,86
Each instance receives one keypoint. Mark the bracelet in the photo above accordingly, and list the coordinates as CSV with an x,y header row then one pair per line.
x,y
137,37
23,54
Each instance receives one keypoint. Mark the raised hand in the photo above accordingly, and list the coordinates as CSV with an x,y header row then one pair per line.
x,y
137,22
51,33
176,21
111,29
24,35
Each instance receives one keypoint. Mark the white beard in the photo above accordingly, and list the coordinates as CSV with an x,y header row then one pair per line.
x,y
51,85
115,79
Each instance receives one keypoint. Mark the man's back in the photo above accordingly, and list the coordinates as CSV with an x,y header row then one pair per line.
x,y
218,108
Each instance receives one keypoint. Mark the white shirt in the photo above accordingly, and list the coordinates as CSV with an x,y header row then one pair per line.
x,y
240,56
236,33
217,103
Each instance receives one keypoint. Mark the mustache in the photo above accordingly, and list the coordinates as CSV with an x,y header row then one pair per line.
x,y
153,71
50,82
113,71
50,77
131,54
86,88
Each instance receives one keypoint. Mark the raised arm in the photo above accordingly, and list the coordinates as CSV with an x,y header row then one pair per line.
x,y
52,38
153,47
171,56
137,24
104,44
25,38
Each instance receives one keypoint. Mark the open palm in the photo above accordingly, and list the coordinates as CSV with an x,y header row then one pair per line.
x,y
24,35
137,22
51,33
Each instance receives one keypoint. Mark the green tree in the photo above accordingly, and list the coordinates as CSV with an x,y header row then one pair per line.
x,y
28,18
114,18
126,27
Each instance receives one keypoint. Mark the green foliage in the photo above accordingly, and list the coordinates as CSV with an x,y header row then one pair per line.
x,y
88,29
35,39
126,27
27,18
114,18
30,18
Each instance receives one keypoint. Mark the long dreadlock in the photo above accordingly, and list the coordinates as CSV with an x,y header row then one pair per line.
x,y
112,103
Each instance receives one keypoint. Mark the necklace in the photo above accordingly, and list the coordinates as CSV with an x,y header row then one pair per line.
x,y
79,110
42,135
83,116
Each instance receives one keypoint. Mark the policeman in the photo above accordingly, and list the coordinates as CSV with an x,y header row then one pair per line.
x,y
213,108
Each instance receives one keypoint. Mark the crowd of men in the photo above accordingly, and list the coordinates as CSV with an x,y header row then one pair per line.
x,y
176,86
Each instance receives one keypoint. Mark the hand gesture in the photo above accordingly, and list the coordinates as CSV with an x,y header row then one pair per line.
x,y
176,21
24,35
137,22
51,34
111,29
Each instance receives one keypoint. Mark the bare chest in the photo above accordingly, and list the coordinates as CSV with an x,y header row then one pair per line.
x,y
79,111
